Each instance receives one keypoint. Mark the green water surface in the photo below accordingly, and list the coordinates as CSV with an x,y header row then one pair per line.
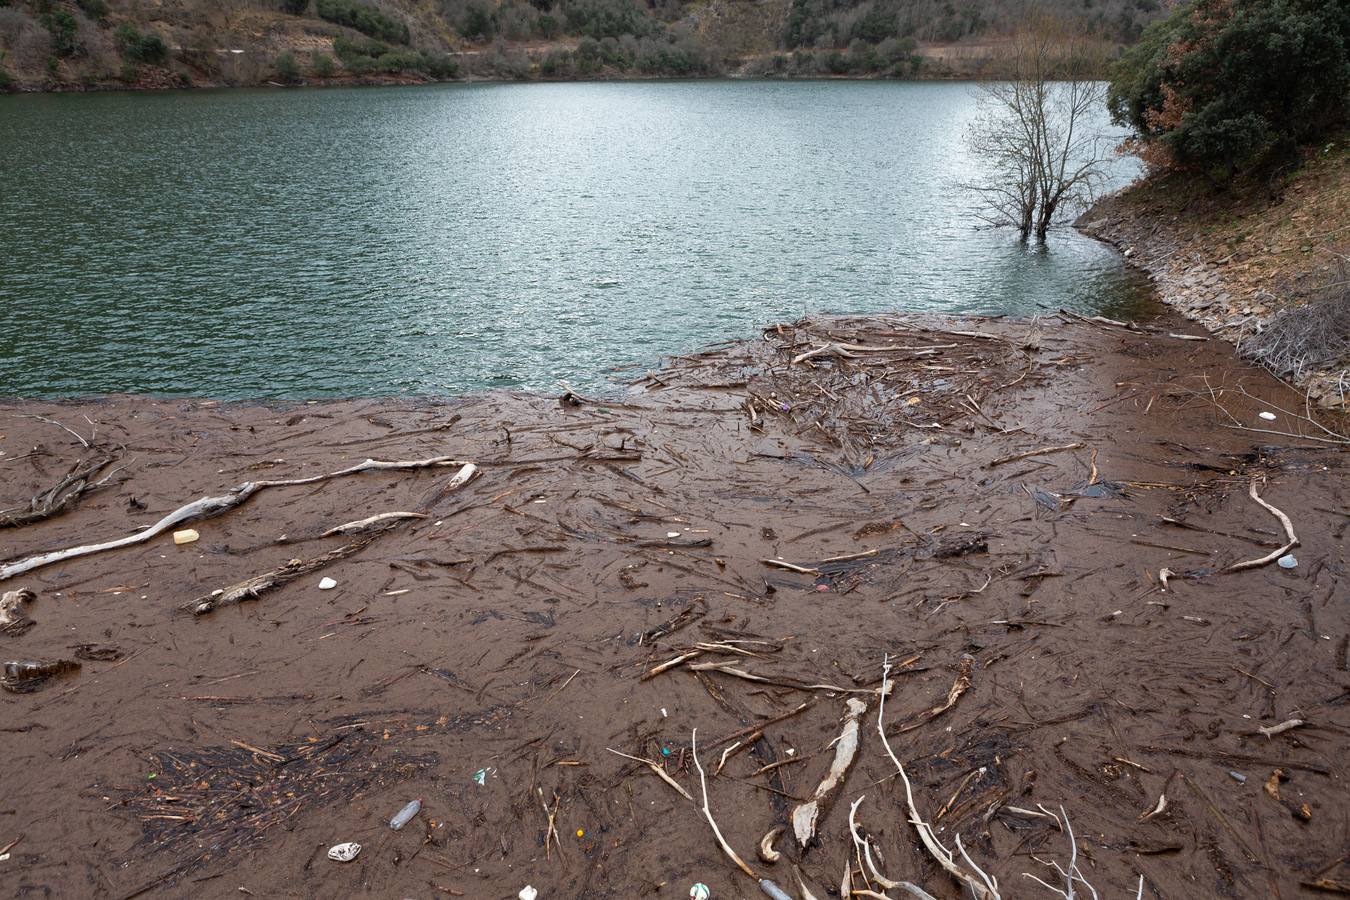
x,y
450,238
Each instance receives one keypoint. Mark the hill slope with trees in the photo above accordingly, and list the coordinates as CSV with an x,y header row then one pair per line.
x,y
85,44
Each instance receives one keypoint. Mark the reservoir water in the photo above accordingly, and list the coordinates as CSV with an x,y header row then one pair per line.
x,y
452,238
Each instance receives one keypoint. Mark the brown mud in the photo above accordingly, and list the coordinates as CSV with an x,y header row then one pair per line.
x,y
1039,661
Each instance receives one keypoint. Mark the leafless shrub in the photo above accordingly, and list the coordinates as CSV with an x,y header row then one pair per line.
x,y
1311,336
26,42
100,58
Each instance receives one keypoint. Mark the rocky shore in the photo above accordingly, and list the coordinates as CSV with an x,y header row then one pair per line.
x,y
1055,543
1234,261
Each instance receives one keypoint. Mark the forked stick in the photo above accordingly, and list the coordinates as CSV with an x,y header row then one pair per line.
x,y
864,847
982,888
658,771
209,507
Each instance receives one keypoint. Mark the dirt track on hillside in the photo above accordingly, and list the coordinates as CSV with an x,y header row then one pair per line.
x,y
504,637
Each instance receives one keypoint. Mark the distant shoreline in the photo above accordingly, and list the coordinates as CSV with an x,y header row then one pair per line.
x,y
412,81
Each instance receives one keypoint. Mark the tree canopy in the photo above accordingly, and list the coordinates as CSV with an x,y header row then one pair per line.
x,y
1222,86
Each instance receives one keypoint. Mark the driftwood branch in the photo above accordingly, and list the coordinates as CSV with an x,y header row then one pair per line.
x,y
964,670
79,437
727,669
209,507
717,832
1291,543
369,522
845,749
829,349
254,587
863,847
982,887
61,496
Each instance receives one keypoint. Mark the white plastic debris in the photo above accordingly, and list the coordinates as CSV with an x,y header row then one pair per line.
x,y
1288,561
344,852
527,893
405,815
186,536
327,584
700,891
1268,416
672,534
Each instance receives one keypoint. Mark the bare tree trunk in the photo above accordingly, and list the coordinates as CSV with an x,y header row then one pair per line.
x,y
1031,133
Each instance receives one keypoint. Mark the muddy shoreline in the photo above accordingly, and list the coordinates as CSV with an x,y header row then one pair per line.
x,y
980,501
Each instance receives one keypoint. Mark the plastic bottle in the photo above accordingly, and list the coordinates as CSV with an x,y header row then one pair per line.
x,y
405,815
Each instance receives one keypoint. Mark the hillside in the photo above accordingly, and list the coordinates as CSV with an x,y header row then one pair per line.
x,y
92,44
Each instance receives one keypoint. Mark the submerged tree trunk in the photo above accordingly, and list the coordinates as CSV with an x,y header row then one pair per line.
x,y
1041,158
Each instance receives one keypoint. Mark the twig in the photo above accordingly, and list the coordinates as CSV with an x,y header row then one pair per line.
x,y
734,749
551,829
58,425
1072,873
1014,457
560,689
1271,730
660,773
750,729
781,564
669,664
726,669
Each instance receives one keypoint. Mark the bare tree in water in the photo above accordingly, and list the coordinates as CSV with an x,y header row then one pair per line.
x,y
1035,136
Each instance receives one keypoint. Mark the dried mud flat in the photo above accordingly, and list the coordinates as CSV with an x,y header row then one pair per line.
x,y
892,478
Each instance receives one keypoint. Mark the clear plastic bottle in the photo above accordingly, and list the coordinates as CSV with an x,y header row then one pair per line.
x,y
405,815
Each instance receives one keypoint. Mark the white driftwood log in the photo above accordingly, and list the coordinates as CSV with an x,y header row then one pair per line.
x,y
208,507
845,749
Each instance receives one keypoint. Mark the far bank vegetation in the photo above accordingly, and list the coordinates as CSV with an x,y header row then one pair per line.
x,y
73,44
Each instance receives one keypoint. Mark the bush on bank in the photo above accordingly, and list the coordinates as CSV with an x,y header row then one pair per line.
x,y
1225,86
